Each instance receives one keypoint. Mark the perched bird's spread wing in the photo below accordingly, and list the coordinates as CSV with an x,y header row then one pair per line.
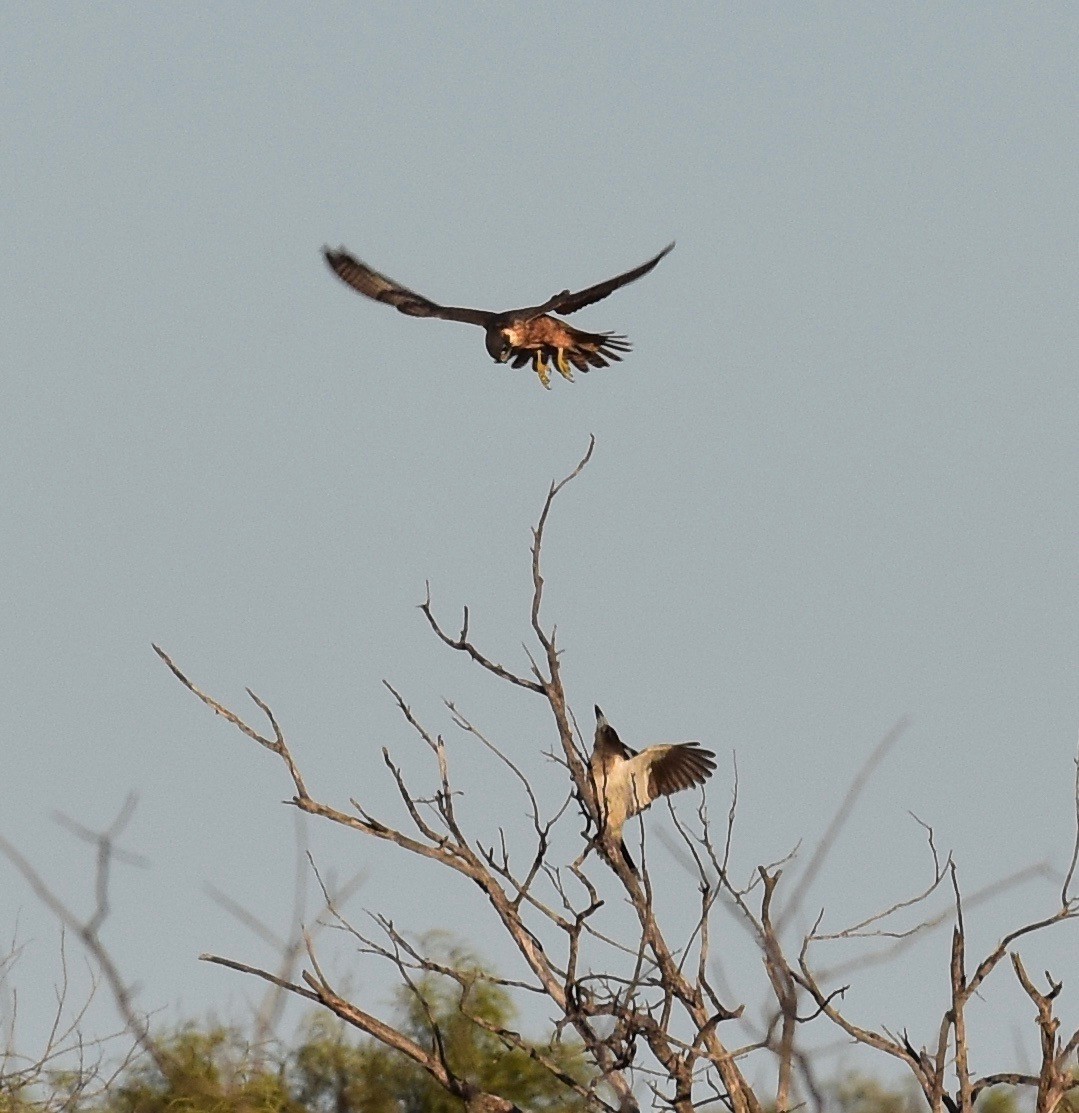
x,y
374,285
567,302
676,767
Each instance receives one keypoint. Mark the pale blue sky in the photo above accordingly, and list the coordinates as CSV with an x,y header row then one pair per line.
x,y
834,484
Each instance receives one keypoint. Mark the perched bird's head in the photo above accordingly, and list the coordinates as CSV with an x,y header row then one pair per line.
x,y
498,345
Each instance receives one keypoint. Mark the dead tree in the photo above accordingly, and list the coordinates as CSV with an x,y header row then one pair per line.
x,y
647,1010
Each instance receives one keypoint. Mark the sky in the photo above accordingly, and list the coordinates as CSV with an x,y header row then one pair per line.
x,y
834,485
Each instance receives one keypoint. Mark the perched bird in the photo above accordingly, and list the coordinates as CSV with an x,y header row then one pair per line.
x,y
518,335
626,782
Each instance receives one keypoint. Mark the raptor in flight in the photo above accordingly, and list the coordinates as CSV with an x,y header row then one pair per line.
x,y
626,782
517,335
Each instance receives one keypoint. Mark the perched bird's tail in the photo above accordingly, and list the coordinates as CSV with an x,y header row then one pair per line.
x,y
628,860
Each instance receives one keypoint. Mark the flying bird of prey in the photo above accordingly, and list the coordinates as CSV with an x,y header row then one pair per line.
x,y
626,782
517,335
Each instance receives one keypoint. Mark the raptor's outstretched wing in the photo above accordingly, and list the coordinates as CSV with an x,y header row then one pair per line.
x,y
567,302
377,286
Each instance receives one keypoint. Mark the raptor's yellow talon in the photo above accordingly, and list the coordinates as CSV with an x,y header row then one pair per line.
x,y
539,365
564,368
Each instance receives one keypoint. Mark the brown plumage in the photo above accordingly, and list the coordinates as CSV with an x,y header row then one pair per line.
x,y
517,335
626,782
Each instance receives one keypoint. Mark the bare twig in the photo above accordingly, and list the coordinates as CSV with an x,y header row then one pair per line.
x,y
1065,895
275,745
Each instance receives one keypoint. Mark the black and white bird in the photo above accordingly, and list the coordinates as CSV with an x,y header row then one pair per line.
x,y
626,782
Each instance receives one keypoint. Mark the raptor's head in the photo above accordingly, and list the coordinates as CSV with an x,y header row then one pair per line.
x,y
498,345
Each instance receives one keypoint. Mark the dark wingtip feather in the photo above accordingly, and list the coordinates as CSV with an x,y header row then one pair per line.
x,y
616,341
614,344
685,766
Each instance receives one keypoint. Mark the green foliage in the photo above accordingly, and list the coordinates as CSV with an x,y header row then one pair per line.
x,y
1000,1099
332,1073
857,1094
13,1099
475,1053
206,1071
